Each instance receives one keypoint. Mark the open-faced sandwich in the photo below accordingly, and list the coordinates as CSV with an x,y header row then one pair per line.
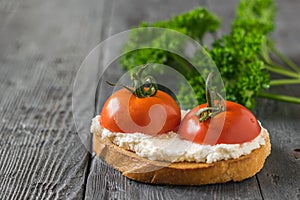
x,y
143,133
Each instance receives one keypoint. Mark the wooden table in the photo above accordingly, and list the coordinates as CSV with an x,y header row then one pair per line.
x,y
42,44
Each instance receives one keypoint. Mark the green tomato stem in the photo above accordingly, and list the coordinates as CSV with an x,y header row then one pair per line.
x,y
210,101
279,97
122,85
139,84
212,108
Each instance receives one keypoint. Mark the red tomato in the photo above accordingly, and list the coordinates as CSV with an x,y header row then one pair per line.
x,y
235,125
127,113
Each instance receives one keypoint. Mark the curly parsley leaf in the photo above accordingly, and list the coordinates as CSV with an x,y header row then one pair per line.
x,y
243,56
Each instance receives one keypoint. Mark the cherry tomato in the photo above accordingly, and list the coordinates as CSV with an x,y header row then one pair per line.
x,y
127,113
235,125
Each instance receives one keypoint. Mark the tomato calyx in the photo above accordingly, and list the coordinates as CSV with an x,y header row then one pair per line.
x,y
214,107
141,108
142,86
219,121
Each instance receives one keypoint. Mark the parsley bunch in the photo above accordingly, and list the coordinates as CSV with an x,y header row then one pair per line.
x,y
243,56
185,23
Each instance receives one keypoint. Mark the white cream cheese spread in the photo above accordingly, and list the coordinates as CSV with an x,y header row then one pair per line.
x,y
171,148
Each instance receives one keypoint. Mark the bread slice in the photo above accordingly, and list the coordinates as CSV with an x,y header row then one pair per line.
x,y
182,173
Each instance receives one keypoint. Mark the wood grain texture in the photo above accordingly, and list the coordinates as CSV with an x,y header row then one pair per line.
x,y
279,179
105,182
42,44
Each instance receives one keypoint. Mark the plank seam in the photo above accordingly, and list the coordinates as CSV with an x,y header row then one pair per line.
x,y
259,187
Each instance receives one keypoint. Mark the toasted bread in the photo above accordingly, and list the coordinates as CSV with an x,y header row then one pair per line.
x,y
181,173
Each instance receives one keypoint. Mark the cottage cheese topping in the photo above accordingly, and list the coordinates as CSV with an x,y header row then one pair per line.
x,y
170,147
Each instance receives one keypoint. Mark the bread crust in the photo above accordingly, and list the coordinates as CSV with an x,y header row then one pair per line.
x,y
182,173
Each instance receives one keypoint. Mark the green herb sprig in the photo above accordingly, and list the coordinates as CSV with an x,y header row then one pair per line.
x,y
244,57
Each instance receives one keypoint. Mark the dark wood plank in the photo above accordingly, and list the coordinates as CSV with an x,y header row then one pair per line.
x,y
279,179
42,44
106,183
